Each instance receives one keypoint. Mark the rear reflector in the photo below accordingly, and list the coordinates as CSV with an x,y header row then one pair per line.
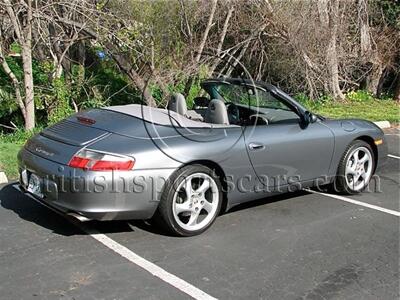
x,y
95,161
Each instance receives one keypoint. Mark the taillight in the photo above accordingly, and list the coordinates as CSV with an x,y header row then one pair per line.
x,y
85,120
96,161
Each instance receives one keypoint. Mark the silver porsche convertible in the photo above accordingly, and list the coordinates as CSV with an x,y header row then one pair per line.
x,y
240,140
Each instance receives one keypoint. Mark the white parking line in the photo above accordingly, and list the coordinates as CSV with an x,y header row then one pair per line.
x,y
148,266
155,270
394,156
385,210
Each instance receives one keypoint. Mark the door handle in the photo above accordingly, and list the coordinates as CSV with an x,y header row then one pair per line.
x,y
256,146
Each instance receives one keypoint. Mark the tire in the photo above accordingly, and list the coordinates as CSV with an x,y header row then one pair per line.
x,y
186,196
353,175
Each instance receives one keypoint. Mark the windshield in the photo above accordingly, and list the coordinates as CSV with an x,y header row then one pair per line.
x,y
247,95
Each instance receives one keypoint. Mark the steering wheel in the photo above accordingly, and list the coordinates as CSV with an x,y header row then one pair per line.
x,y
233,113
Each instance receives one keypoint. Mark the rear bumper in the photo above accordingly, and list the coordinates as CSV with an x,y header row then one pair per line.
x,y
21,189
95,195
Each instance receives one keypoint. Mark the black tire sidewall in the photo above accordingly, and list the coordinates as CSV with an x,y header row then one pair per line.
x,y
165,207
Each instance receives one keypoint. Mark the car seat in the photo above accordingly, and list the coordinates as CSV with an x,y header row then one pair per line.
x,y
216,113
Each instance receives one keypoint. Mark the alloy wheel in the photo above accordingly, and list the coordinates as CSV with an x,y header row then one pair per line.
x,y
195,202
359,168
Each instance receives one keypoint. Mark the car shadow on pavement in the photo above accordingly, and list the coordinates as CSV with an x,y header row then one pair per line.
x,y
267,200
31,211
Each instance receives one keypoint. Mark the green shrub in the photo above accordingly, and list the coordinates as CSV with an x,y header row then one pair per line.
x,y
359,96
195,90
8,159
304,99
7,102
59,105
19,136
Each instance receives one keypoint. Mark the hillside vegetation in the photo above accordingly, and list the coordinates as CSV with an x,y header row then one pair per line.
x,y
340,58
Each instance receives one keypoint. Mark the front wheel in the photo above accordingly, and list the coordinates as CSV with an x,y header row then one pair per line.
x,y
191,201
355,168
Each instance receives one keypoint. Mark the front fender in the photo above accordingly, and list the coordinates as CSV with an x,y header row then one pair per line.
x,y
348,130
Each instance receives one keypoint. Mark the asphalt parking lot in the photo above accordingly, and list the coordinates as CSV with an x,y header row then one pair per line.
x,y
294,246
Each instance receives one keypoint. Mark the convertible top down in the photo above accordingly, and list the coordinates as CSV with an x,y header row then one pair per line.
x,y
241,140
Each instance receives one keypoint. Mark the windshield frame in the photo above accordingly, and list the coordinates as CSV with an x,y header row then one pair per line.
x,y
210,87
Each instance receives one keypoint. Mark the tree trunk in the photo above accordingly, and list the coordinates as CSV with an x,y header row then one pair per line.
x,y
221,40
365,35
206,31
15,83
40,52
81,53
237,59
369,56
329,14
332,52
28,84
189,82
126,66
27,67
373,79
397,89
331,56
23,33
59,59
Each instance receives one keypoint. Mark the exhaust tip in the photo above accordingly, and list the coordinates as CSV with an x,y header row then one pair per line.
x,y
78,217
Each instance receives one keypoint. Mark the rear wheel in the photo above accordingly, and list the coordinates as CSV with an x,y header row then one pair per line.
x,y
191,201
356,168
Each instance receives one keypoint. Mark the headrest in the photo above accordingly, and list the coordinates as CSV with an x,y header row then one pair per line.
x,y
216,112
178,104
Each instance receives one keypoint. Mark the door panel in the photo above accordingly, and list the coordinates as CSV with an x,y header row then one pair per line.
x,y
282,151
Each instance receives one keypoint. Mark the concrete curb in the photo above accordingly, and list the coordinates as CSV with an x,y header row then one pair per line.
x,y
3,178
382,124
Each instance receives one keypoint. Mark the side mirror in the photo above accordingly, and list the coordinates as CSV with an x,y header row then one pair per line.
x,y
313,118
309,117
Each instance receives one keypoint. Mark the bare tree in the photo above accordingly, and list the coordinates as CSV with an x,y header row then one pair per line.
x,y
15,82
397,89
85,21
222,37
325,47
203,41
368,50
20,15
206,31
329,17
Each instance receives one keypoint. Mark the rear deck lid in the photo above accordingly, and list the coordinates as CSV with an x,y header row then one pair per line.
x,y
73,133
51,149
